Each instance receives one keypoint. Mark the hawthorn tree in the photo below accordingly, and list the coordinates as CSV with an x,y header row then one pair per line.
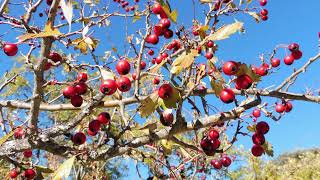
x,y
67,110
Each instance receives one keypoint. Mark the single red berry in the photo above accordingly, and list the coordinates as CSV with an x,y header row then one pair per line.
x,y
104,118
165,22
55,57
134,76
91,133
294,47
205,143
275,62
280,108
79,138
123,67
153,61
163,15
216,164
94,125
165,91
81,88
264,18
209,55
230,68
123,84
156,80
243,82
76,101
157,9
263,2
13,173
108,87
158,30
168,33
49,2
27,153
82,77
258,139
159,59
256,113
29,174
10,49
195,30
213,134
288,106
226,161
257,150
227,96
18,133
69,92
210,44
143,65
166,117
262,71
264,12
262,127
288,60
215,144
152,39
296,54
150,52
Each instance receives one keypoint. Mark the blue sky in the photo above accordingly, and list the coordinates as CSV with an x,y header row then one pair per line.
x,y
289,21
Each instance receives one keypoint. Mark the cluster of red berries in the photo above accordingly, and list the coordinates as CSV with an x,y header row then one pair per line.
x,y
258,138
125,4
162,28
74,91
210,142
93,128
285,106
296,54
225,161
264,12
28,173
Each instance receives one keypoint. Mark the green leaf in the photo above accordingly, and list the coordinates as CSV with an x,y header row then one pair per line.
x,y
172,101
166,146
43,169
268,149
216,86
6,137
64,170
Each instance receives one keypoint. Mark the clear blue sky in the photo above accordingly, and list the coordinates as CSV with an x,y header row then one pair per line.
x,y
289,21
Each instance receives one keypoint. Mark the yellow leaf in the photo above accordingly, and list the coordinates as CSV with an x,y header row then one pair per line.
x,y
248,1
201,72
172,101
185,153
225,32
202,31
148,105
216,86
244,69
173,15
136,18
6,137
166,146
64,170
255,16
185,60
83,44
156,68
205,1
43,169
48,31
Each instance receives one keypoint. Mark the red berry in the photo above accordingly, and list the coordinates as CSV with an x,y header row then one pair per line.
x,y
29,174
55,57
13,173
215,144
150,52
156,80
108,87
153,61
157,9
159,59
79,138
205,143
152,39
264,18
296,54
168,33
143,65
27,153
47,66
166,117
82,77
123,84
91,133
216,164
159,30
257,150
69,92
134,76
163,15
226,161
123,67
262,127
209,55
263,2
10,49
195,30
275,62
94,125
213,134
81,88
49,2
243,82
262,71
165,22
264,12
288,60
210,44
18,133
280,108
288,107
258,139
227,96
76,101
104,118
230,68
256,113
294,47
165,91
